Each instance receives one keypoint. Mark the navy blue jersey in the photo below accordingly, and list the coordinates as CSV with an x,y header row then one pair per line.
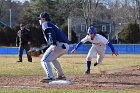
x,y
53,34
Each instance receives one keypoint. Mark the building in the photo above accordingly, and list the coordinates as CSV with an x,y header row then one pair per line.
x,y
79,26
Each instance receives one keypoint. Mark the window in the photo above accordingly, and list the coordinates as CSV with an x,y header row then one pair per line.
x,y
83,28
103,28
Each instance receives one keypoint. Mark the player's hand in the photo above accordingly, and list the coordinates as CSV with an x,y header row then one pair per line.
x,y
115,53
54,47
17,45
73,51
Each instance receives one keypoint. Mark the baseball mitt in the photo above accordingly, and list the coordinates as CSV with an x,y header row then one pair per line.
x,y
34,53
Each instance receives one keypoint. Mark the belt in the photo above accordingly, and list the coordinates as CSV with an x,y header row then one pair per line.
x,y
61,43
99,44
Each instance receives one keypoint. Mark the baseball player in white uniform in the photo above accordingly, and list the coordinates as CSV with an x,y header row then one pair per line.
x,y
98,47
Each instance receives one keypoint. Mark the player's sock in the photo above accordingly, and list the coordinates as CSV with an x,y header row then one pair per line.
x,y
88,65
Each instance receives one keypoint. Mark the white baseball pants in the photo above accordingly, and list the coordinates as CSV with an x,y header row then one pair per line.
x,y
96,49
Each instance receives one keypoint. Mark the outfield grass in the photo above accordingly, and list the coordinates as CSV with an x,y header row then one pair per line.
x,y
71,64
64,91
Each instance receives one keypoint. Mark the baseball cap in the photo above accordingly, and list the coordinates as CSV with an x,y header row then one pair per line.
x,y
21,24
43,15
91,30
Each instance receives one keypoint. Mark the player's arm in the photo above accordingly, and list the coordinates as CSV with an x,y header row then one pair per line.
x,y
17,40
29,37
79,44
37,52
76,47
43,50
53,35
48,29
112,48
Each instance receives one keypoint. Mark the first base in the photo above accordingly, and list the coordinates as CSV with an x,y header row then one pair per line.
x,y
60,82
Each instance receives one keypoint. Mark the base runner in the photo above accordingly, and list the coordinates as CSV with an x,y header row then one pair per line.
x,y
98,47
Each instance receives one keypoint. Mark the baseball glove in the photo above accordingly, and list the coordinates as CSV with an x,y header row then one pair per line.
x,y
34,53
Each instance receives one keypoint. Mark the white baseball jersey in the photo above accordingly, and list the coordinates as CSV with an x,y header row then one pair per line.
x,y
97,40
98,47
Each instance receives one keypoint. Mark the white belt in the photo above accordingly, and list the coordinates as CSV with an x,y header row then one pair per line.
x,y
98,44
61,43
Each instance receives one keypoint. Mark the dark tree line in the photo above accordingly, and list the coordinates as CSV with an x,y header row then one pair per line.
x,y
130,34
59,10
8,35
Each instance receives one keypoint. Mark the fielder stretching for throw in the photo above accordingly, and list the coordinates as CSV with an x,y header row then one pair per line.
x,y
58,45
98,47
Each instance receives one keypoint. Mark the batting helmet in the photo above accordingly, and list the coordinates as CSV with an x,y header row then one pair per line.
x,y
44,15
91,30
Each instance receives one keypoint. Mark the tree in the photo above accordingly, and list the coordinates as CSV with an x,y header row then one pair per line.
x,y
74,38
1,8
88,9
37,36
38,6
2,36
137,10
130,34
10,36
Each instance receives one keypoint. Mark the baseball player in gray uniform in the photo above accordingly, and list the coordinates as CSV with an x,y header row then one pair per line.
x,y
58,45
98,47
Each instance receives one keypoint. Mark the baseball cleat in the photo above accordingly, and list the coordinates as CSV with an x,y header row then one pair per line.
x,y
19,61
61,78
87,72
47,80
95,64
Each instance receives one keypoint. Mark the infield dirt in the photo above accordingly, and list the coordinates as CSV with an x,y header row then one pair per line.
x,y
120,79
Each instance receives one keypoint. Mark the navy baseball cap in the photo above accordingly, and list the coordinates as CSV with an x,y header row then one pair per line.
x,y
91,30
44,15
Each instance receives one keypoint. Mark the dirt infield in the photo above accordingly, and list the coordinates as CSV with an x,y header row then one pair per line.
x,y
122,79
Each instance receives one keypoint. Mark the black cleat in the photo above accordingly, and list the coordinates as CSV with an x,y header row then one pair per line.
x,y
29,61
87,72
95,64
61,77
47,80
19,61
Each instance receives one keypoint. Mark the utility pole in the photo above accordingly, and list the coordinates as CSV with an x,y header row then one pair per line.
x,y
10,18
69,29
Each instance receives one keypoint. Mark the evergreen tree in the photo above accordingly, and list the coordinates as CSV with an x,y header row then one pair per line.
x,y
130,34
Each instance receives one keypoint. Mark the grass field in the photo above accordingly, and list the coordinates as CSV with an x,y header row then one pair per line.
x,y
71,64
64,91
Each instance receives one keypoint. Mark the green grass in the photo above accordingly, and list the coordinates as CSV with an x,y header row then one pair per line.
x,y
71,64
9,66
64,91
